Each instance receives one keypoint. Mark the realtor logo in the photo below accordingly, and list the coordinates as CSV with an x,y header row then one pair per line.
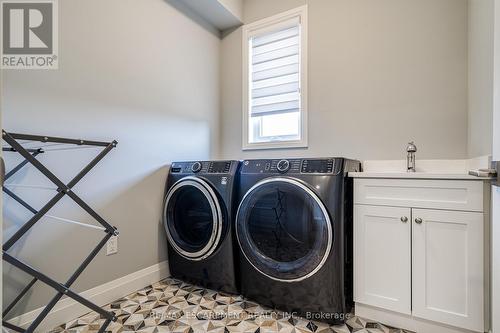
x,y
29,34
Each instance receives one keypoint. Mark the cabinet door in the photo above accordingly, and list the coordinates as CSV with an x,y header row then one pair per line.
x,y
382,257
448,281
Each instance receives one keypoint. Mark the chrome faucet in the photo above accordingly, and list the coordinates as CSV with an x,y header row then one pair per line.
x,y
410,158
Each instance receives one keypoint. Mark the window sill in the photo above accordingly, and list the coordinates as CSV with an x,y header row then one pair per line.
x,y
275,145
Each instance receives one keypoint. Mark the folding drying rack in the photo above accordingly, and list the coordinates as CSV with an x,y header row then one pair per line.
x,y
30,154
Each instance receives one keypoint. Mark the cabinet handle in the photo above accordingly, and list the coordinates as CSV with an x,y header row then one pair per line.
x,y
404,219
418,220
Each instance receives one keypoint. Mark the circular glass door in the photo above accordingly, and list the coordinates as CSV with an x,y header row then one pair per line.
x,y
192,218
284,229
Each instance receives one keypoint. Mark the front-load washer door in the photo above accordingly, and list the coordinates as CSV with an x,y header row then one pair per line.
x,y
192,218
284,229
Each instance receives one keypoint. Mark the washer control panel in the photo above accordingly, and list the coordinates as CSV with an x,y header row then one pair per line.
x,y
196,167
219,167
283,166
287,166
317,166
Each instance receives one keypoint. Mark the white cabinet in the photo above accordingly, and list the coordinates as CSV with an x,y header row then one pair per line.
x,y
383,256
448,281
422,256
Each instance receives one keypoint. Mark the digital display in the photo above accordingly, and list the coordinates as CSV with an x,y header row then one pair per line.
x,y
317,166
219,167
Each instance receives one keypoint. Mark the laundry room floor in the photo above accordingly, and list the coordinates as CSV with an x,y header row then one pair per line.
x,y
174,306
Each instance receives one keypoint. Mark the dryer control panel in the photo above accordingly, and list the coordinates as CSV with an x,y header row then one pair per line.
x,y
293,166
202,167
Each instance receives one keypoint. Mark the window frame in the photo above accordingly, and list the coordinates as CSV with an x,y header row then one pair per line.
x,y
261,26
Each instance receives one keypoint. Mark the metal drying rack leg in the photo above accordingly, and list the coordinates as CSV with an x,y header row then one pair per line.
x,y
62,189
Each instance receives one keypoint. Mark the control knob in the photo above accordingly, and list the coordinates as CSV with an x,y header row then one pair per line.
x,y
283,166
196,167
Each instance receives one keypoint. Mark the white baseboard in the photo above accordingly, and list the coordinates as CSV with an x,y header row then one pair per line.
x,y
403,321
68,309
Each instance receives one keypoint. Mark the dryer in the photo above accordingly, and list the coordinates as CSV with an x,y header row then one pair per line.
x,y
197,217
294,231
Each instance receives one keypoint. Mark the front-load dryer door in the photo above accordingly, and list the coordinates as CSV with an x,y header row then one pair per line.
x,y
284,229
192,218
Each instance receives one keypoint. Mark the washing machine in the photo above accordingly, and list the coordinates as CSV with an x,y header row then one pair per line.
x,y
294,230
197,216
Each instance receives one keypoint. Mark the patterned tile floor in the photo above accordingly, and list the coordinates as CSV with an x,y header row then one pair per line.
x,y
174,306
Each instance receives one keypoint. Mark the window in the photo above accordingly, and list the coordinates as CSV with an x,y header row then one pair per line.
x,y
275,81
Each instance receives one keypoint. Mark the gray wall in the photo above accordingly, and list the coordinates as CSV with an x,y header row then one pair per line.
x,y
380,73
141,72
481,31
495,232
496,88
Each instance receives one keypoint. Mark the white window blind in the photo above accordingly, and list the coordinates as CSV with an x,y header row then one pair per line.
x,y
275,72
275,81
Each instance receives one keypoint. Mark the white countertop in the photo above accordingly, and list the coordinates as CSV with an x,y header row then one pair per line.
x,y
416,175
426,169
